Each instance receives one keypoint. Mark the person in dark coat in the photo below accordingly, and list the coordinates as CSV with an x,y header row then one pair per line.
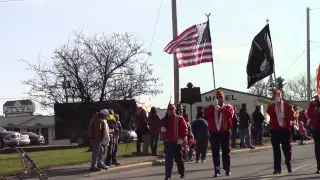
x,y
154,123
245,120
258,120
234,129
201,135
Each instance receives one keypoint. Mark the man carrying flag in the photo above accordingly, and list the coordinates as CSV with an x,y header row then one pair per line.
x,y
219,123
281,118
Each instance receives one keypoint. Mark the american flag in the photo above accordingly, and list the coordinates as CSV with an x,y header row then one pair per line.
x,y
192,46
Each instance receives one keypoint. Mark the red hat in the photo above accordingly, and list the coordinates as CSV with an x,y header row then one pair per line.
x,y
277,92
219,93
171,106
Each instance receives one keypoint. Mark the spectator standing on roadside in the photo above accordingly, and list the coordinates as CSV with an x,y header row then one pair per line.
x,y
139,135
117,136
144,130
190,135
244,130
234,129
96,133
105,142
154,123
258,120
201,135
112,132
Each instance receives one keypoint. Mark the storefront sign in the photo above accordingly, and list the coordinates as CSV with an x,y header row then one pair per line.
x,y
16,107
227,98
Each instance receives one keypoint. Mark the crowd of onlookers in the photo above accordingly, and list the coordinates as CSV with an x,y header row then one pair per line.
x,y
105,126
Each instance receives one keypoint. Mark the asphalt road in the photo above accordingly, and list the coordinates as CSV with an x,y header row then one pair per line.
x,y
255,165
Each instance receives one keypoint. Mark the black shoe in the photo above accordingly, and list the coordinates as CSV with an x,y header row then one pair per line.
x,y
289,170
318,171
228,173
116,164
276,172
182,176
95,169
167,178
217,175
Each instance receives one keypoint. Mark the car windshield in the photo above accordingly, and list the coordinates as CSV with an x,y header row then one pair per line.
x,y
2,130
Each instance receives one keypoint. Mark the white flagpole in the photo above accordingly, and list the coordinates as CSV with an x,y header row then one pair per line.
x,y
213,75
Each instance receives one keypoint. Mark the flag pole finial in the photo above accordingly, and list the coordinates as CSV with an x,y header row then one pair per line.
x,y
267,21
208,16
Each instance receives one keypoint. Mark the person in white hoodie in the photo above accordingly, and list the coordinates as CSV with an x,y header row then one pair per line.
x,y
105,141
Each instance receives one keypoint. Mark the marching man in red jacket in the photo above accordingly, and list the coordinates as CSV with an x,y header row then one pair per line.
x,y
281,118
219,123
314,115
174,130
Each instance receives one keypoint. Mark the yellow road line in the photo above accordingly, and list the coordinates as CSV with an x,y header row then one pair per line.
x,y
285,173
140,165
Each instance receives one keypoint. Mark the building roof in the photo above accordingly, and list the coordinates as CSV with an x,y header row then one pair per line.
x,y
22,121
22,102
245,93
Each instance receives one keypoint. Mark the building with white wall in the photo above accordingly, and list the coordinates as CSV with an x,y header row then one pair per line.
x,y
236,98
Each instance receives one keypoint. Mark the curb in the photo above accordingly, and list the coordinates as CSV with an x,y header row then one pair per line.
x,y
161,161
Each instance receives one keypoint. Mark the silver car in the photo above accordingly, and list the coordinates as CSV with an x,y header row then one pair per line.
x,y
9,138
25,140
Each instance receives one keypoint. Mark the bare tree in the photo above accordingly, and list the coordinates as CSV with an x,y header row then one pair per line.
x,y
261,88
96,68
296,88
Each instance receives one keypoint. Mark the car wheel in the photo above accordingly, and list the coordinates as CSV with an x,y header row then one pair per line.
x,y
1,144
80,140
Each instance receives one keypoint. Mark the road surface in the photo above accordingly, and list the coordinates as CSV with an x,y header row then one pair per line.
x,y
251,166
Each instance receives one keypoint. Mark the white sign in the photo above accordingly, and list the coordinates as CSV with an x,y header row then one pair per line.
x,y
18,108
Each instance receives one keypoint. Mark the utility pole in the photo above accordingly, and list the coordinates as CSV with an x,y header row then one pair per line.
x,y
308,57
175,60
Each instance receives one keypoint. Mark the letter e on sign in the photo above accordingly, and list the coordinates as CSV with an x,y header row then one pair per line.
x,y
228,97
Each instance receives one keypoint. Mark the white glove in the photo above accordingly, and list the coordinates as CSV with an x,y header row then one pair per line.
x,y
163,129
180,141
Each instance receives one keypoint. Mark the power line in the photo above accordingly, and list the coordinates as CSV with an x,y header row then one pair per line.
x,y
293,63
298,59
5,1
154,31
315,41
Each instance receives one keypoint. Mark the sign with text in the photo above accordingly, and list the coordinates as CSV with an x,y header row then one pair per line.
x,y
227,98
16,107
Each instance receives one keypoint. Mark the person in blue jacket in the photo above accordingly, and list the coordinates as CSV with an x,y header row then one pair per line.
x,y
201,135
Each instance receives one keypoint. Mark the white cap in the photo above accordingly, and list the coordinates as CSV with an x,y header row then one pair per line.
x,y
104,112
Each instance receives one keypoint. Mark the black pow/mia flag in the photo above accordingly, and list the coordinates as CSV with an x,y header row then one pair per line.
x,y
260,61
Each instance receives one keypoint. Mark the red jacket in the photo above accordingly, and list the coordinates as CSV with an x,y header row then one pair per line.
x,y
303,117
227,112
176,128
313,115
289,116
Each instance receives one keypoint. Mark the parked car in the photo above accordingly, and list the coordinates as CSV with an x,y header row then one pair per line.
x,y
25,140
127,136
81,137
35,139
8,138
